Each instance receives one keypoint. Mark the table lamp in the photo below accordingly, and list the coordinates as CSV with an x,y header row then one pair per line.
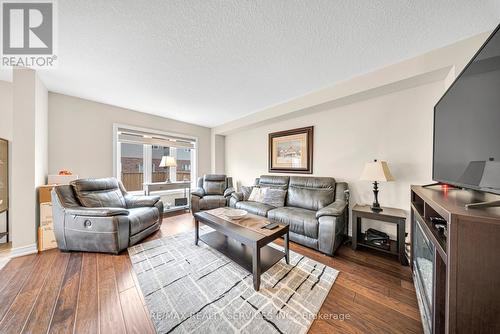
x,y
167,161
376,171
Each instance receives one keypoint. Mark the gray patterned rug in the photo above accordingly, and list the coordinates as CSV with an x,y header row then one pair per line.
x,y
195,289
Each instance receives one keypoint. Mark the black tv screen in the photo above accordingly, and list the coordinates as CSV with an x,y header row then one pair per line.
x,y
467,124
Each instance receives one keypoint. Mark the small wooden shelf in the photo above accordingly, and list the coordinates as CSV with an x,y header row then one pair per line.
x,y
465,263
388,215
393,245
418,203
437,239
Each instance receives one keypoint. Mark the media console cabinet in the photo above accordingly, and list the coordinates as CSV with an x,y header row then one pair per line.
x,y
457,273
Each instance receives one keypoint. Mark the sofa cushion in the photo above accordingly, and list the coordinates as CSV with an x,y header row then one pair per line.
x,y
94,193
301,221
67,196
256,208
274,197
304,240
312,193
142,218
246,191
273,181
215,177
214,187
212,202
271,196
257,194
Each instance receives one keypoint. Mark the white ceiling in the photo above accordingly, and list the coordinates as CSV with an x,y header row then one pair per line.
x,y
209,62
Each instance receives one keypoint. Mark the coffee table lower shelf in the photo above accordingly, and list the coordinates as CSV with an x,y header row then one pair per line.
x,y
240,253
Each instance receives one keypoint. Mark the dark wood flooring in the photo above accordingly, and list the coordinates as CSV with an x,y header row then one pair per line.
x,y
55,292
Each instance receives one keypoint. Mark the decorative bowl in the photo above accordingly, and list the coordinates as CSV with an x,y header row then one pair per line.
x,y
235,214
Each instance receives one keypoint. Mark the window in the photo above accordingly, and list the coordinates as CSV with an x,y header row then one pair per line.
x,y
139,154
183,164
132,166
160,174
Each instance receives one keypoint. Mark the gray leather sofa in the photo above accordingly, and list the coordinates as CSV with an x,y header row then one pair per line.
x,y
316,209
213,191
98,215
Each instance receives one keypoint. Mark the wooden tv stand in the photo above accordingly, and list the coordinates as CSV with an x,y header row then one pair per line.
x,y
466,269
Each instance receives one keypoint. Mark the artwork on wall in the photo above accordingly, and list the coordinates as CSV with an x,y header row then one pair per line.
x,y
4,174
291,151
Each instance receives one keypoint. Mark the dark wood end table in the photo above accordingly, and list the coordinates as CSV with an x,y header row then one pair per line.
x,y
244,241
388,215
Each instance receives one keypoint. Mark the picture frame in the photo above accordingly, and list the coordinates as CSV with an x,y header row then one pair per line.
x,y
291,151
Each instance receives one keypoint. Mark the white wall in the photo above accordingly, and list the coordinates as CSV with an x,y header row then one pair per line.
x,y
41,133
29,156
218,156
396,127
81,135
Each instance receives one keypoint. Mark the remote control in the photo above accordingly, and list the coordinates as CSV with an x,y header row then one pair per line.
x,y
270,226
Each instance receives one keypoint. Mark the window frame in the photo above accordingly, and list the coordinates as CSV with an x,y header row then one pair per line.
x,y
147,152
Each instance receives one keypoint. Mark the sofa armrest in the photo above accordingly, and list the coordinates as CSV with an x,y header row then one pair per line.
x,y
199,192
228,191
335,209
96,212
141,201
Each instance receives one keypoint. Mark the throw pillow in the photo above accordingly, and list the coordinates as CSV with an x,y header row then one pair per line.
x,y
257,194
274,197
246,191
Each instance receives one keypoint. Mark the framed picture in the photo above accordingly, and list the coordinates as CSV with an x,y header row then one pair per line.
x,y
291,151
4,174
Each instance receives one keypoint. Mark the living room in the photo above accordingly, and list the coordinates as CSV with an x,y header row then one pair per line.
x,y
243,166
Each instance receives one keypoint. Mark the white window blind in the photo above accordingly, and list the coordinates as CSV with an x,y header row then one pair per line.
x,y
139,137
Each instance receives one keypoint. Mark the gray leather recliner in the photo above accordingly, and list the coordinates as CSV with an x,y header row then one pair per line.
x,y
98,215
316,209
213,191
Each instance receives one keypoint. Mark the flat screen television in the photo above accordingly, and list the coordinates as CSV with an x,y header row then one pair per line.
x,y
467,124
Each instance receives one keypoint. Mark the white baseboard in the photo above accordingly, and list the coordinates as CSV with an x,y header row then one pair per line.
x,y
24,250
4,261
16,252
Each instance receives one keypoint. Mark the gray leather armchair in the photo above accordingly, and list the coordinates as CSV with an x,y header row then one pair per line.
x,y
213,191
98,215
316,209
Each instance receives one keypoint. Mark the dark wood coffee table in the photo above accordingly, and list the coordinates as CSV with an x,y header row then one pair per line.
x,y
243,241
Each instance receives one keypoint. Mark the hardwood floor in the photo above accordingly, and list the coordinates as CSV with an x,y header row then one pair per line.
x,y
56,292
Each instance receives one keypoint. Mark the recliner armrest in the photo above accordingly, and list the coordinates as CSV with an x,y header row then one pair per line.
x,y
334,209
229,191
199,192
141,201
96,212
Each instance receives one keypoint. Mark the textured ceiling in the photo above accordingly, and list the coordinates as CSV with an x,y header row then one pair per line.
x,y
208,62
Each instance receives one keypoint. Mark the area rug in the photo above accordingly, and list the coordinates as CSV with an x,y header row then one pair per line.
x,y
196,289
